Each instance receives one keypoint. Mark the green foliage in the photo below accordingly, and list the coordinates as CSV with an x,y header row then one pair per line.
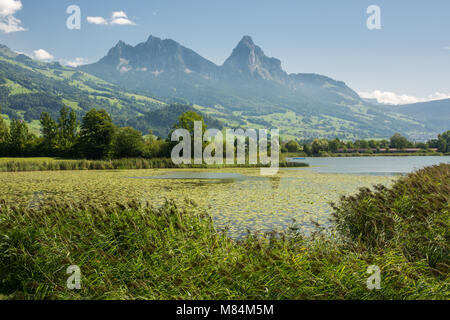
x,y
319,145
293,146
67,130
49,130
398,142
187,120
4,136
59,137
128,143
19,138
412,216
368,147
96,136
443,143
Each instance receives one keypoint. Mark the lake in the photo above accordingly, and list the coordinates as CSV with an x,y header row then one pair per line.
x,y
396,165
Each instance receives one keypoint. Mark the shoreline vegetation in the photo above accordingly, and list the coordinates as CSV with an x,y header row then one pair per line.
x,y
49,164
135,251
288,155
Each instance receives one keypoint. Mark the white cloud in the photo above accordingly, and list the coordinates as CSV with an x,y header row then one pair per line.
x,y
439,96
119,14
97,20
75,62
42,55
447,48
117,18
387,97
9,7
9,23
121,18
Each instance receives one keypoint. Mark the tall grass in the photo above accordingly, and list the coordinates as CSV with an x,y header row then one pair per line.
x,y
17,165
135,251
413,215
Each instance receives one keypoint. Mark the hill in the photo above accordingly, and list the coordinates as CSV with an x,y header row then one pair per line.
x,y
435,115
29,87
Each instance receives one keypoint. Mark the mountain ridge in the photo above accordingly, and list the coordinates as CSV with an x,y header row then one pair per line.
x,y
249,89
256,93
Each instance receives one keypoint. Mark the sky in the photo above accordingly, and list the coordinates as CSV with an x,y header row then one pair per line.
x,y
406,60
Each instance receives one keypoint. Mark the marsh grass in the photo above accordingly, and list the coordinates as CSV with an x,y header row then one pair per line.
x,y
413,215
134,251
48,164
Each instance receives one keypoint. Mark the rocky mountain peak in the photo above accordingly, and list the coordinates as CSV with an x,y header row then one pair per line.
x,y
249,60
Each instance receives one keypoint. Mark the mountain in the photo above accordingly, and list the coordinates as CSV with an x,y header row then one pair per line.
x,y
249,61
29,87
140,86
250,89
435,115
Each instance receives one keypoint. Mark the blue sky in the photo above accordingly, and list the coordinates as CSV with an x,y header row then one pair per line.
x,y
408,59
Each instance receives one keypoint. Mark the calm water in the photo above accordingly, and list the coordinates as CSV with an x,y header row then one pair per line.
x,y
372,165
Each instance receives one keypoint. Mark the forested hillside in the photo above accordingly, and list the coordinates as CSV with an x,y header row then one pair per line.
x,y
29,87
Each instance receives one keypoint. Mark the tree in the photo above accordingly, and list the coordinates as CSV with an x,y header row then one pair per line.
x,y
20,139
293,146
421,145
383,144
67,130
49,132
363,144
186,121
319,145
4,136
96,136
443,143
307,149
156,147
373,144
398,141
128,143
334,145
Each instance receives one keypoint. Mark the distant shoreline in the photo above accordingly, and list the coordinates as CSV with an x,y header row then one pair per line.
x,y
350,155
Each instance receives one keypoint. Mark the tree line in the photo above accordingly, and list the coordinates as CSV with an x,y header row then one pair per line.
x,y
95,137
397,141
